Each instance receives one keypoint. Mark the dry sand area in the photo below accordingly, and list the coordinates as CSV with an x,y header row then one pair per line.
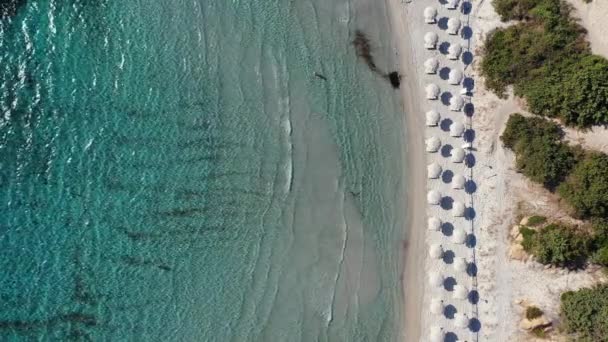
x,y
436,52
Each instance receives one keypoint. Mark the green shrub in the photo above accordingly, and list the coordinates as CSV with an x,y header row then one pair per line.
x,y
586,188
600,257
575,90
533,312
536,220
540,154
528,239
514,9
585,313
561,246
548,61
584,92
544,161
519,127
512,53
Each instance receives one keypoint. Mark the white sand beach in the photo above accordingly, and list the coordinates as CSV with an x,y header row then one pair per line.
x,y
454,292
498,286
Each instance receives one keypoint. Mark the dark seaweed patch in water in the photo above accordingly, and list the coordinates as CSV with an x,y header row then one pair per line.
x,y
364,51
24,325
9,8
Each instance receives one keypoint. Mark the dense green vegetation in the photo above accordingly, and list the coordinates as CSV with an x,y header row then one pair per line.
x,y
558,245
581,178
585,313
566,246
586,188
520,127
547,60
529,240
540,152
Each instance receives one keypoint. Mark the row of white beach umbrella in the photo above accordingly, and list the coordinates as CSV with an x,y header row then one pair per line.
x,y
434,170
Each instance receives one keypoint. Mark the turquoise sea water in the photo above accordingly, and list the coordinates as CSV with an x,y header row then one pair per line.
x,y
173,171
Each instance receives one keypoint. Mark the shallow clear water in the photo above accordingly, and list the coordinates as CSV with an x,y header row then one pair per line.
x,y
172,170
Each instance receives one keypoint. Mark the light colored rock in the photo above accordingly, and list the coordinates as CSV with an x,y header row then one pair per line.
x,y
524,221
539,322
516,252
514,231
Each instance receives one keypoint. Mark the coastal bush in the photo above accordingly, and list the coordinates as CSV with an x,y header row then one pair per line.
x,y
585,313
540,154
536,220
544,161
561,246
584,93
528,238
533,312
514,9
520,127
548,61
529,50
600,242
600,257
586,188
511,54
574,91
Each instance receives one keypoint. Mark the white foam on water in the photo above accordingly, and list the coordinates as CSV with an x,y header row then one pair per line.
x,y
288,168
89,144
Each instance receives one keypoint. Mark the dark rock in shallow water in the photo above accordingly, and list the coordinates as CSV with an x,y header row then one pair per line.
x,y
395,79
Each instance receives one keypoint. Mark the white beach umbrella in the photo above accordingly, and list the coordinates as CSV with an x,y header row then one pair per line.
x,y
431,65
432,91
456,129
460,264
458,182
454,51
433,197
455,77
437,306
453,26
430,15
432,118
456,103
436,334
433,170
433,144
436,279
458,209
436,251
460,292
430,40
434,223
459,236
461,320
452,4
458,155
